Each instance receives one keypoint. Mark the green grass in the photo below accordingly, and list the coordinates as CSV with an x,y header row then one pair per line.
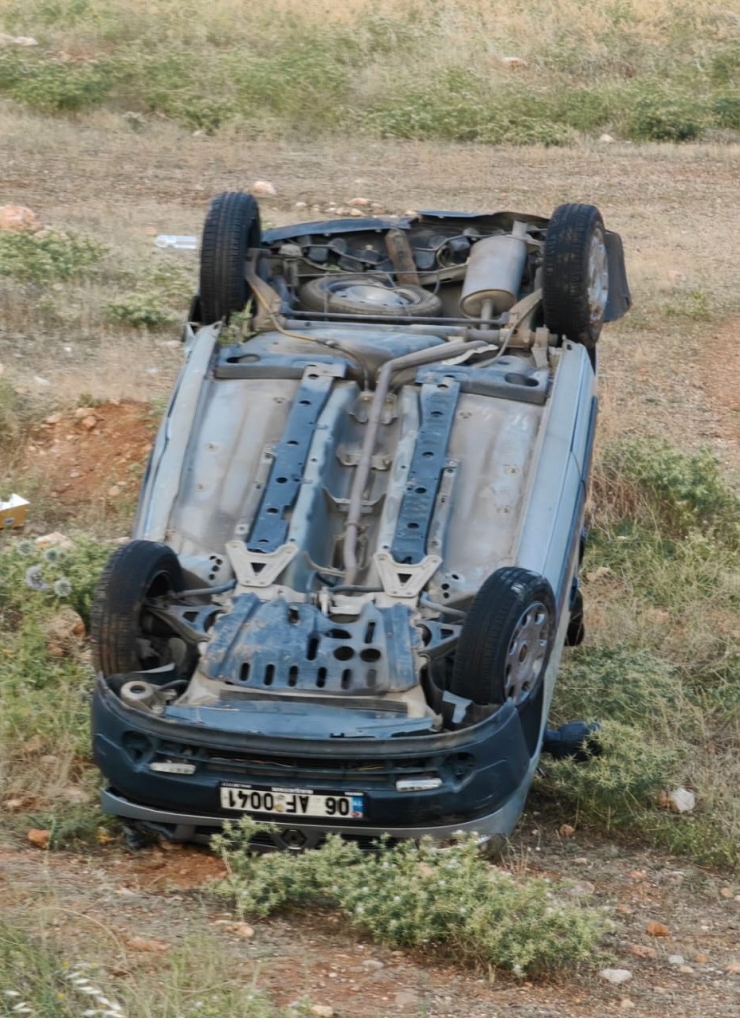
x,y
666,71
660,669
415,896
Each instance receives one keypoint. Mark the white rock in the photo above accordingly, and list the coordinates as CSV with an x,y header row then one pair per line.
x,y
676,959
263,189
54,540
300,205
357,213
24,40
606,139
322,1011
681,800
42,382
359,203
616,975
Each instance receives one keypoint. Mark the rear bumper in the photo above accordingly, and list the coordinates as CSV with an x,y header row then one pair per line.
x,y
484,775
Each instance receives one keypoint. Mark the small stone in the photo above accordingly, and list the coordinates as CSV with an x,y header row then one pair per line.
x,y
83,411
113,491
626,1004
356,213
25,40
54,540
147,944
581,860
18,219
359,203
733,968
726,892
583,888
513,63
263,189
566,830
637,874
300,206
377,207
606,139
342,210
242,930
88,423
616,976
686,969
642,951
53,419
373,964
43,383
655,929
701,959
675,959
322,1011
680,800
39,838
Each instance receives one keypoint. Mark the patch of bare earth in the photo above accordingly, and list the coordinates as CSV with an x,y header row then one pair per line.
x,y
128,910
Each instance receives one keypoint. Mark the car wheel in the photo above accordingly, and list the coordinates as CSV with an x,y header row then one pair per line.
x,y
232,226
124,636
506,639
575,274
356,294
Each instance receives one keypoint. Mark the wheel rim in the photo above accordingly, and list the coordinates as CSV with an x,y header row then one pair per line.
x,y
372,295
598,278
527,652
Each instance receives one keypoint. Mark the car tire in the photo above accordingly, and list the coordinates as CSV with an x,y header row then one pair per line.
x,y
135,572
506,640
575,274
342,294
232,226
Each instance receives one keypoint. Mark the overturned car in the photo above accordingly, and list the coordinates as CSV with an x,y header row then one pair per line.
x,y
355,559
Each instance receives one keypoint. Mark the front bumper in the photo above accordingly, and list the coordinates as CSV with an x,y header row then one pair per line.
x,y
484,772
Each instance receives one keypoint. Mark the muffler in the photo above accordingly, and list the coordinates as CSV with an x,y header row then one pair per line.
x,y
494,274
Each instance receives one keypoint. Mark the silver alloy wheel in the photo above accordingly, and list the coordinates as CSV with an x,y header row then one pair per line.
x,y
598,278
372,294
527,652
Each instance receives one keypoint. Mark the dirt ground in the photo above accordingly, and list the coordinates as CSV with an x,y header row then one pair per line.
x,y
677,210
129,909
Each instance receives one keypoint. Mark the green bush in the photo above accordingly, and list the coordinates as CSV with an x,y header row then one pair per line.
x,y
48,256
54,86
681,492
411,895
664,116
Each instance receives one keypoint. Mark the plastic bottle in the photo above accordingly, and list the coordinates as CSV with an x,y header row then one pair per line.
x,y
180,243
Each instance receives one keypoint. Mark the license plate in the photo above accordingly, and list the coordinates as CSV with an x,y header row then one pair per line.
x,y
291,802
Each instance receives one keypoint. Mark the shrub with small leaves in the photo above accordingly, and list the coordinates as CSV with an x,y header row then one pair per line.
x,y
48,256
416,895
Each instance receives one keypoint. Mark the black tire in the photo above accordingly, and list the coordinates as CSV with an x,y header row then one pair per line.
x,y
575,276
232,226
494,662
333,293
135,572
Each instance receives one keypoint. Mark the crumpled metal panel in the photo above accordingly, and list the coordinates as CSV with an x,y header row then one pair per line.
x,y
274,646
